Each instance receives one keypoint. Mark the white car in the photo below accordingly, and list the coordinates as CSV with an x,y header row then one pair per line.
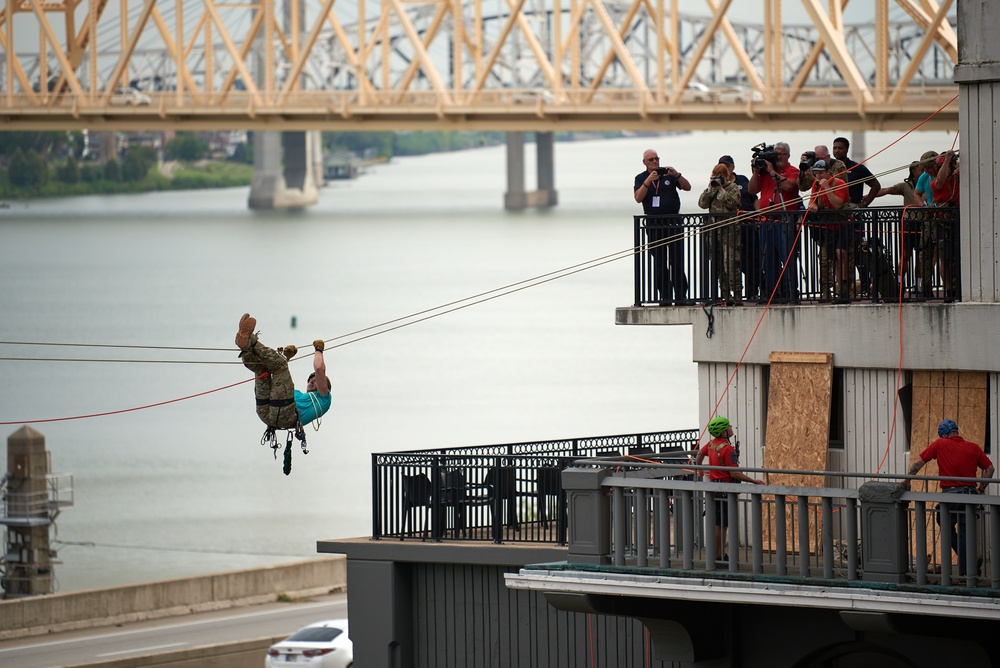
x,y
320,645
130,97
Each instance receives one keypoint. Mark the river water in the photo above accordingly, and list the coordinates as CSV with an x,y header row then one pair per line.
x,y
186,487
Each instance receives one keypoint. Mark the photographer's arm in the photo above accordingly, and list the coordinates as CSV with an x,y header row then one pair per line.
x,y
640,192
754,186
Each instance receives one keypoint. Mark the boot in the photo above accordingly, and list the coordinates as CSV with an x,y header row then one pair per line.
x,y
245,334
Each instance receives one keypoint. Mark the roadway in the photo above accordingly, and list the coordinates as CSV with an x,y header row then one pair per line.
x,y
171,633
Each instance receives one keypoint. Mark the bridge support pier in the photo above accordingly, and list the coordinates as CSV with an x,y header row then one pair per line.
x,y
516,198
287,170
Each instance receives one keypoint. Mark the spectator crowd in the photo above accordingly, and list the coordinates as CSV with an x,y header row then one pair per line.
x,y
751,240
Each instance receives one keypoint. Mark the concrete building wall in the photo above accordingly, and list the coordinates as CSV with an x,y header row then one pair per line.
x,y
745,404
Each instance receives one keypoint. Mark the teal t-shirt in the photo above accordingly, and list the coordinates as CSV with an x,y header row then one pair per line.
x,y
924,188
310,405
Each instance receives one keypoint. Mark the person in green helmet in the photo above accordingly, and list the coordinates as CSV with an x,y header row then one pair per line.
x,y
720,452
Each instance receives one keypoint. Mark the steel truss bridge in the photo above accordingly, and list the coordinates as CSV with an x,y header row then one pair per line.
x,y
514,65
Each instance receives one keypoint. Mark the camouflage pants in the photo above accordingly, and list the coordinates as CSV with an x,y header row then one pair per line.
x,y
724,249
273,389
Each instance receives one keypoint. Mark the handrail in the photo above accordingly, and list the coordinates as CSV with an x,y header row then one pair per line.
x,y
681,262
502,493
659,516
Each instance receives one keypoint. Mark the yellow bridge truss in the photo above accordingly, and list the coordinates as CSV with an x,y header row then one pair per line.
x,y
516,65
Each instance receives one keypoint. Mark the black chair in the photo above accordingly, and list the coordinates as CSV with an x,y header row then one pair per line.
x,y
455,495
547,483
417,493
501,482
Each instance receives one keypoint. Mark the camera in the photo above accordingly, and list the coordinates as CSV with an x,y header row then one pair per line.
x,y
662,171
716,182
809,161
764,153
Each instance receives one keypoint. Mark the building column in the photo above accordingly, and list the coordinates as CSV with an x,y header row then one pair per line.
x,y
978,77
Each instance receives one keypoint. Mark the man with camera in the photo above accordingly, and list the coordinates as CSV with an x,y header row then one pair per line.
x,y
722,198
776,181
809,158
656,189
833,234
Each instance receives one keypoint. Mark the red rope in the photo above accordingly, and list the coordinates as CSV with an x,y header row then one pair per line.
x,y
129,410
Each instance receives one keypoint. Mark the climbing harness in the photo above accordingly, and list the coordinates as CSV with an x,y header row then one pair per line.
x,y
270,439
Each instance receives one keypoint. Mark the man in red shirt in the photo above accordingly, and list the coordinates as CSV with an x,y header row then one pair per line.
x,y
956,458
832,232
777,184
720,452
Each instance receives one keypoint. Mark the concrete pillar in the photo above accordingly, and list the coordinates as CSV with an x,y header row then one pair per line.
x,y
978,77
284,170
546,193
588,509
516,197
27,555
109,146
883,532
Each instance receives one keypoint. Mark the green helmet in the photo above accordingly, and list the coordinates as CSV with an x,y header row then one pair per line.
x,y
718,426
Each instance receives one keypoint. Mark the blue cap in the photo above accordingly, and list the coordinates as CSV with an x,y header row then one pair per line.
x,y
946,427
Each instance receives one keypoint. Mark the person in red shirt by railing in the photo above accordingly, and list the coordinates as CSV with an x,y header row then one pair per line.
x,y
834,234
720,452
956,458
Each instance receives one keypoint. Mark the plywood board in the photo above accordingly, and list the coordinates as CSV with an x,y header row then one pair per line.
x,y
939,395
798,423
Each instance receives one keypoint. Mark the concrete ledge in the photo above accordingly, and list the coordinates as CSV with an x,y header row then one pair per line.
x,y
231,655
40,615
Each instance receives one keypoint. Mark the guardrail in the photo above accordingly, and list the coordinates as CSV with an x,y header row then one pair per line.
x,y
681,263
500,493
658,516
39,507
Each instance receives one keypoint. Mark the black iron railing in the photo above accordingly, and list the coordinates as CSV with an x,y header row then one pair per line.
x,y
500,493
836,257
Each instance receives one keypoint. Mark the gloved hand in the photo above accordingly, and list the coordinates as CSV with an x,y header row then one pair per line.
x,y
319,344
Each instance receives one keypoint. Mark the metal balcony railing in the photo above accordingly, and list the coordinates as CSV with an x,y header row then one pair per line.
x,y
500,493
661,518
792,256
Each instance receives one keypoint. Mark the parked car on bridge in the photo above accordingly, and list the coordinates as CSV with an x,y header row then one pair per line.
x,y
320,645
130,97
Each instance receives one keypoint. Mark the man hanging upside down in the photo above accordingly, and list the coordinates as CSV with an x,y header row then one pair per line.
x,y
279,404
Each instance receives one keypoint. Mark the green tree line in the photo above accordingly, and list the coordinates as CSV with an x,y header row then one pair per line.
x,y
42,164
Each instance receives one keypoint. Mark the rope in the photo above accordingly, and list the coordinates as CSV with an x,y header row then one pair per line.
x,y
130,410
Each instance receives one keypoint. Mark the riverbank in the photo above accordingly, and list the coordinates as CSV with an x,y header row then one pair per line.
x,y
168,175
